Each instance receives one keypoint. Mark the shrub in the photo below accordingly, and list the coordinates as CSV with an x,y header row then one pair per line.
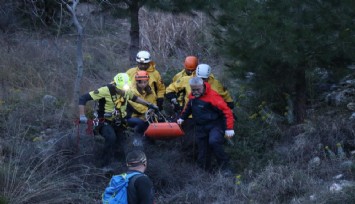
x,y
279,184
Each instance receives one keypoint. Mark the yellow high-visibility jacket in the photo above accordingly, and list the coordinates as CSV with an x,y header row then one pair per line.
x,y
182,86
110,103
139,109
181,95
180,75
155,81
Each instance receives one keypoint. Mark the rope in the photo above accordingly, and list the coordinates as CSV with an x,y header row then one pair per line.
x,y
89,131
77,124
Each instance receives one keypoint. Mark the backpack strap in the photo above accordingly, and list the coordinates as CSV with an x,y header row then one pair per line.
x,y
130,175
134,177
113,93
112,90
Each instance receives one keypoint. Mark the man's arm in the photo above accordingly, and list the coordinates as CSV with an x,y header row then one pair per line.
x,y
144,189
219,103
82,102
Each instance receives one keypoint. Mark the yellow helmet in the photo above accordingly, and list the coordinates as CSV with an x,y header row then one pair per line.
x,y
122,81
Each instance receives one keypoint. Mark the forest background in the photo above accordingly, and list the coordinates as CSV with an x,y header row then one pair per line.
x,y
288,65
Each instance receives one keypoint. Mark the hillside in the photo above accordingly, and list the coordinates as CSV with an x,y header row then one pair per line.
x,y
46,157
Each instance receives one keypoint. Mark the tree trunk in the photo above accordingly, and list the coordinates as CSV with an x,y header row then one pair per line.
x,y
301,98
79,51
134,31
80,66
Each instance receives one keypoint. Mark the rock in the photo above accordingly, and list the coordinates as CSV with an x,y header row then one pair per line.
x,y
314,162
312,197
338,176
346,165
351,106
340,97
352,117
335,188
49,101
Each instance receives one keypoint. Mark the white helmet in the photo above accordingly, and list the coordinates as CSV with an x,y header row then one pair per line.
x,y
143,57
203,71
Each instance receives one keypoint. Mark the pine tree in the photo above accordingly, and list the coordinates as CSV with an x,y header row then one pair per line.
x,y
282,41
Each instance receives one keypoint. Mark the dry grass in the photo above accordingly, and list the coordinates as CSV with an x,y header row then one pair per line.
x,y
49,170
42,174
171,38
279,184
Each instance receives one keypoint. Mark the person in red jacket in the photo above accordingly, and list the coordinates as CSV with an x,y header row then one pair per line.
x,y
213,121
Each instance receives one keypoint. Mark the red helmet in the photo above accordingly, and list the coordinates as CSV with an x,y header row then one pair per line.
x,y
141,75
191,63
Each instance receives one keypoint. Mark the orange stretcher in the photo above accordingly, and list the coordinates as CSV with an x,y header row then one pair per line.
x,y
161,130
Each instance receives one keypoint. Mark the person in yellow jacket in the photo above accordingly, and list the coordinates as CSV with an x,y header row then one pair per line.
x,y
155,81
112,102
190,65
136,111
182,86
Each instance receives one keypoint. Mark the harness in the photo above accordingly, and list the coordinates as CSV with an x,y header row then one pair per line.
x,y
117,114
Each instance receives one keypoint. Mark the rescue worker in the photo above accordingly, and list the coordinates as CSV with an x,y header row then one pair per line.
x,y
145,63
190,65
213,120
182,85
136,118
112,102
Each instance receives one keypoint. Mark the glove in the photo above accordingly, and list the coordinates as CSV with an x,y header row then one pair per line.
x,y
83,119
160,102
230,105
154,107
229,133
180,121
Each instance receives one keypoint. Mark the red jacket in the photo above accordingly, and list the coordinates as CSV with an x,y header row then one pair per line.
x,y
207,108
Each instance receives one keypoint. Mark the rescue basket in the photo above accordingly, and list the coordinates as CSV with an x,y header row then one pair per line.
x,y
161,130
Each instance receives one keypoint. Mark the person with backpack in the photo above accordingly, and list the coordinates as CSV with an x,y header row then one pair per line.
x,y
110,116
145,63
213,121
132,187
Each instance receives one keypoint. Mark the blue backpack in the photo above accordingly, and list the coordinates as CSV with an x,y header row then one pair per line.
x,y
116,192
